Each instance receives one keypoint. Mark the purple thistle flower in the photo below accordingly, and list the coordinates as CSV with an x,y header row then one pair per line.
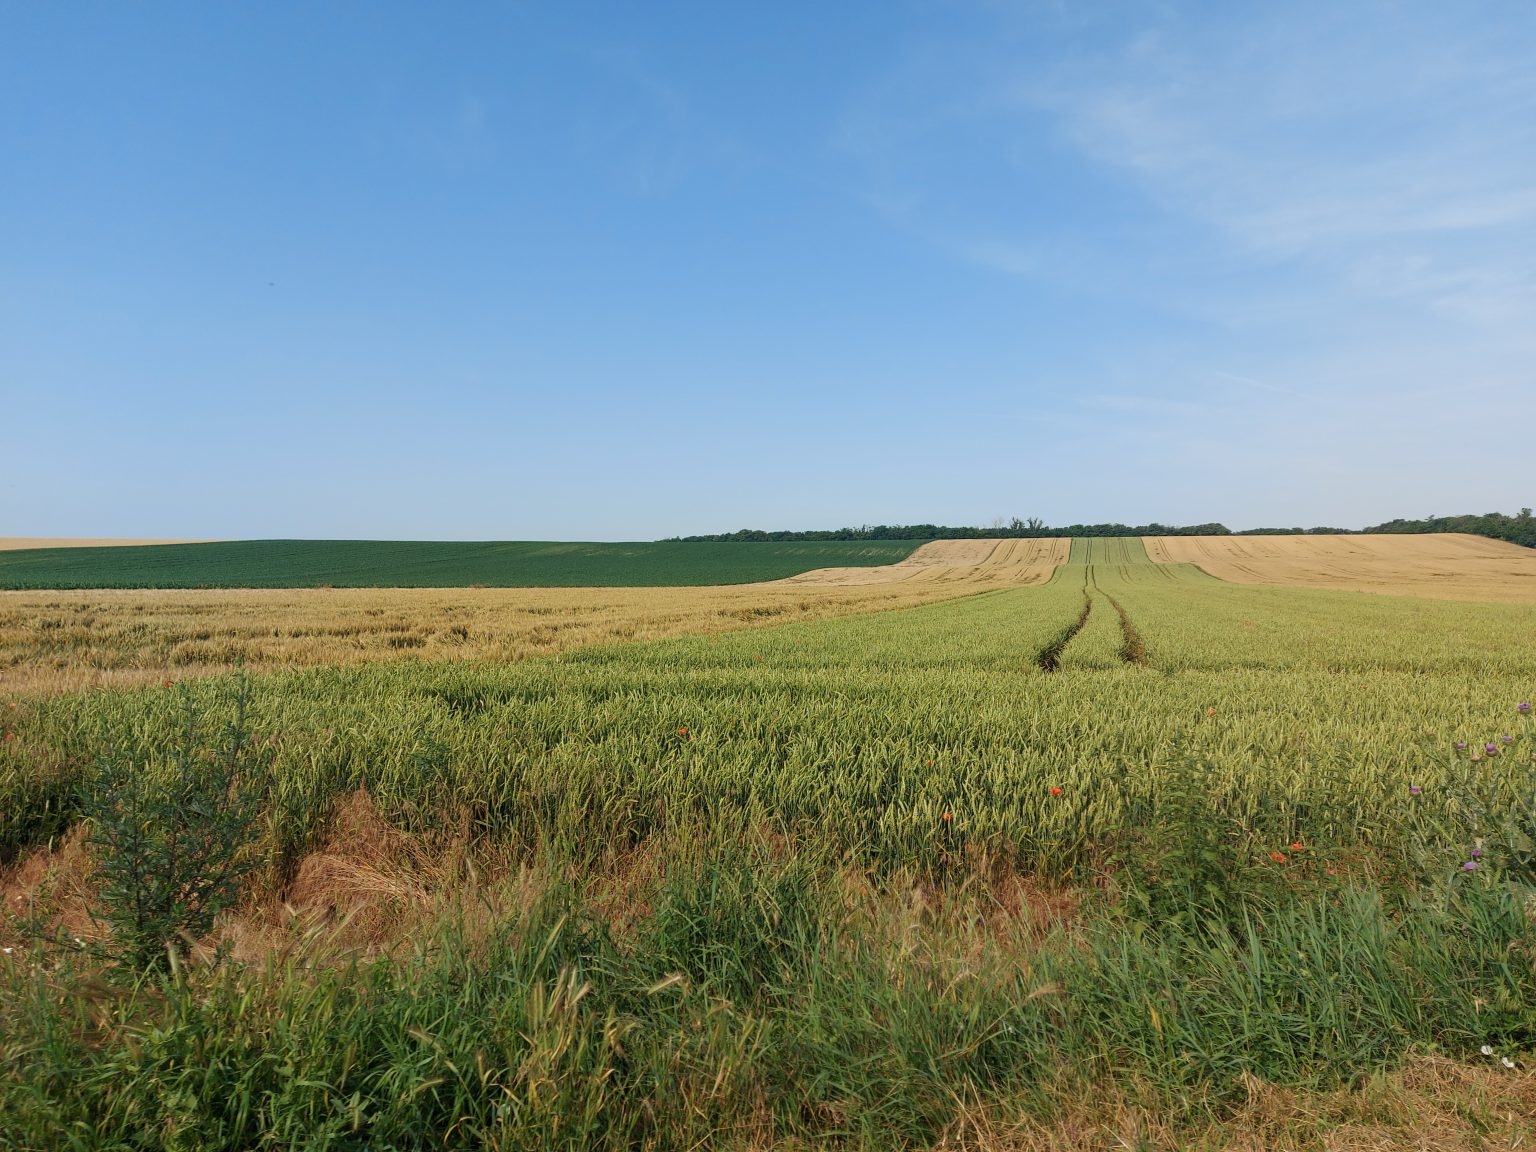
x,y
1469,866
1414,789
1526,707
1491,747
1509,739
1477,853
1461,745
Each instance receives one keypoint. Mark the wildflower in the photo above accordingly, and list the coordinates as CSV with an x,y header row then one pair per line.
x,y
1469,866
1297,846
10,735
682,731
167,684
1491,748
1461,745
947,816
12,705
1526,707
1504,1060
1414,789
1333,871
1210,711
1509,739
1486,1049
1477,853
1277,857
1055,791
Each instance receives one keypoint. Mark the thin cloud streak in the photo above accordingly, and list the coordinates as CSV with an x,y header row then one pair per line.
x,y
1250,382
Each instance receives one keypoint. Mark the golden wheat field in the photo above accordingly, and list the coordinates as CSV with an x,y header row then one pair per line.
x,y
988,563
64,641
1442,565
16,543
68,641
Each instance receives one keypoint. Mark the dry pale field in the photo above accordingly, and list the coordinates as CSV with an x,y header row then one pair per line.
x,y
14,543
986,563
63,641
1444,565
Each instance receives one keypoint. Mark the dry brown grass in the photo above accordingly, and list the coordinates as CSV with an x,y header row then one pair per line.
x,y
68,641
985,563
1430,1105
15,543
368,890
1443,565
56,882
372,890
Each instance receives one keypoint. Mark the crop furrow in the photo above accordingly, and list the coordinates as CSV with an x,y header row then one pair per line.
x,y
1134,650
1049,658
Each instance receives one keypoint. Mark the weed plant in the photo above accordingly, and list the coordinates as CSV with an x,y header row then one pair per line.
x,y
172,847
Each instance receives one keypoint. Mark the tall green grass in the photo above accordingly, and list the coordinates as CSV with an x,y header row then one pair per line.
x,y
757,1004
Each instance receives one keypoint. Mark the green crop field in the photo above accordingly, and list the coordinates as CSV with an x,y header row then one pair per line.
x,y
433,564
1132,842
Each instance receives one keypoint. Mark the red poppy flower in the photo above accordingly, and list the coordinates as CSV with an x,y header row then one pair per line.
x,y
1055,791
1277,857
947,816
167,684
1210,711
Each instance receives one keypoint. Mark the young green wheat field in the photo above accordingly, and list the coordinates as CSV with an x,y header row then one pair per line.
x,y
1130,858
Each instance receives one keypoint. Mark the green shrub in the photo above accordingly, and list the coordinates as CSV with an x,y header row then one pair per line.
x,y
172,847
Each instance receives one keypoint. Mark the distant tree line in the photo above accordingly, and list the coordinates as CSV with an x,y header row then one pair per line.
x,y
1520,529
1014,529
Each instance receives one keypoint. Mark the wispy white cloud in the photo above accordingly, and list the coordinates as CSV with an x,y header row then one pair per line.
x,y
1002,257
651,134
1345,139
1262,385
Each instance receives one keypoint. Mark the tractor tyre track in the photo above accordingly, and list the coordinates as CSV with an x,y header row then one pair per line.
x,y
1134,650
1048,659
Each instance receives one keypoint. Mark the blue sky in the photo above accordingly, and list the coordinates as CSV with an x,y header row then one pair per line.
x,y
618,271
